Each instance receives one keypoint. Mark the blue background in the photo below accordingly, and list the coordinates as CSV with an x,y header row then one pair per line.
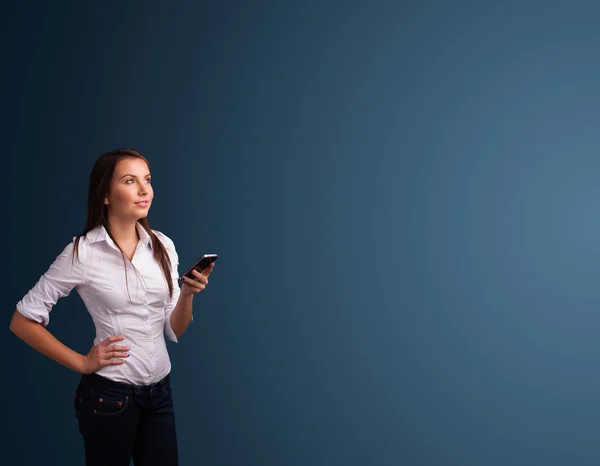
x,y
403,196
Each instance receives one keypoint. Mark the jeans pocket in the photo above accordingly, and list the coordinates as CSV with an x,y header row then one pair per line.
x,y
110,404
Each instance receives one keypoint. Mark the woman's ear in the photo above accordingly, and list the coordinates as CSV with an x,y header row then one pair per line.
x,y
106,201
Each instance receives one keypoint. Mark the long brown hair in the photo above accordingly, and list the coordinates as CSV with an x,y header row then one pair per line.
x,y
97,213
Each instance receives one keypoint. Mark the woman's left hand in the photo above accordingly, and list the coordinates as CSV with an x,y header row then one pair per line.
x,y
196,285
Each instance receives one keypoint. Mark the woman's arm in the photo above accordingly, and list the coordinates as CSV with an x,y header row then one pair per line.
x,y
178,310
36,336
182,314
106,353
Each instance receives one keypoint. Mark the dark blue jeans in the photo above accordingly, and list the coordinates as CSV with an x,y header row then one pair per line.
x,y
119,422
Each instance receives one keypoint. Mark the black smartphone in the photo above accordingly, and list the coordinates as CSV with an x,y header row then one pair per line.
x,y
200,264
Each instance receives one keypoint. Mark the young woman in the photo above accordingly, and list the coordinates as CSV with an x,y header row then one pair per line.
x,y
126,274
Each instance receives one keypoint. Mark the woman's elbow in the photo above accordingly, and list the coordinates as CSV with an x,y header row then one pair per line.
x,y
17,322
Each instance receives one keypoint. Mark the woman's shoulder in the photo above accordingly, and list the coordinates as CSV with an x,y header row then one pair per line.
x,y
87,243
93,236
79,246
76,253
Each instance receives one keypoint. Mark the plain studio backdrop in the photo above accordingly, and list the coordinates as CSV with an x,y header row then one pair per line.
x,y
404,197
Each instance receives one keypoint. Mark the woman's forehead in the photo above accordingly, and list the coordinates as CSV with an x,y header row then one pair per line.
x,y
133,166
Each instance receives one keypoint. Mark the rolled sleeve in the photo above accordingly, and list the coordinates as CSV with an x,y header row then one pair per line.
x,y
171,302
65,273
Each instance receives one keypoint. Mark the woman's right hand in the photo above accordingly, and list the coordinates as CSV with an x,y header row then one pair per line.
x,y
100,356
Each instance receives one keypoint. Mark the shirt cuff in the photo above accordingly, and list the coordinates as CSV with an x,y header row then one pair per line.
x,y
40,316
169,330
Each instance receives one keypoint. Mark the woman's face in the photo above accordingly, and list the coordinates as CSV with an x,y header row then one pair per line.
x,y
130,194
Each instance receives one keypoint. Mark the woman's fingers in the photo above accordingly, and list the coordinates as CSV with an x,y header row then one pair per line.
x,y
200,277
112,362
206,272
115,354
119,348
112,358
197,284
112,339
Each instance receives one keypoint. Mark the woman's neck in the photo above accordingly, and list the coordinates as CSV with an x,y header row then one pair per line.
x,y
123,232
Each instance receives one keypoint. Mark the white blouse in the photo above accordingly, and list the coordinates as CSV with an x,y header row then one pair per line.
x,y
138,308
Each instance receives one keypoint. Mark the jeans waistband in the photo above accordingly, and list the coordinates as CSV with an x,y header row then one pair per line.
x,y
100,382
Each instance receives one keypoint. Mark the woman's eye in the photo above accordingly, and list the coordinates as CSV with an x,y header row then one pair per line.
x,y
148,180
